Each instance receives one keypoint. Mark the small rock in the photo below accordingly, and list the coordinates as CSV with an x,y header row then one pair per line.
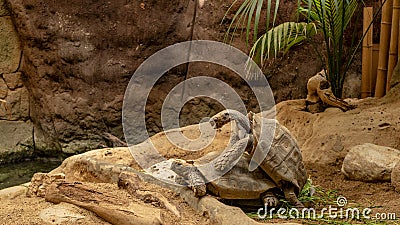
x,y
384,125
40,181
333,110
396,177
370,163
315,108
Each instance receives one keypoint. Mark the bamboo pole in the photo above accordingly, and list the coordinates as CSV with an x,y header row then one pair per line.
x,y
366,90
375,59
394,37
386,22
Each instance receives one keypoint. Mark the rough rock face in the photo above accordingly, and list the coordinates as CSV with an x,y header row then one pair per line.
x,y
396,177
78,64
370,163
9,45
78,57
16,140
16,134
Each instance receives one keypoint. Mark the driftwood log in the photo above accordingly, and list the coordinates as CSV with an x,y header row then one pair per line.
x,y
105,205
129,182
130,179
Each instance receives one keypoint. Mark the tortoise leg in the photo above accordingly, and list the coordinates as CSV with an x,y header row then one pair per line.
x,y
197,182
189,175
289,192
229,156
235,134
269,199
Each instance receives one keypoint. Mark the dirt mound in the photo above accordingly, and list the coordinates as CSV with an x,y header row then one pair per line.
x,y
325,138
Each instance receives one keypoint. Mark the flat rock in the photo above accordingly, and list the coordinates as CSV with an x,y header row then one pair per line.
x,y
370,163
12,192
396,177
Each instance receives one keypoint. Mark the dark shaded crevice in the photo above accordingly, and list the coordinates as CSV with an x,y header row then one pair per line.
x,y
193,22
20,56
33,139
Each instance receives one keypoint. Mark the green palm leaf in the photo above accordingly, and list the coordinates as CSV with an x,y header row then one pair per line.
x,y
331,17
249,10
281,38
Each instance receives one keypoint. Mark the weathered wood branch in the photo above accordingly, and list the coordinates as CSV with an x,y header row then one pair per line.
x,y
104,206
128,181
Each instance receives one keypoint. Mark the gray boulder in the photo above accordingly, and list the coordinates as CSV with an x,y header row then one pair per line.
x,y
370,163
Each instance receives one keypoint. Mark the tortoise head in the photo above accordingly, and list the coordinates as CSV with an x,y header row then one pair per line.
x,y
180,167
262,126
255,123
220,119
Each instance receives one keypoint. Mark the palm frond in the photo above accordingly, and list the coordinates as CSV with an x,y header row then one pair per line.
x,y
331,17
280,39
250,11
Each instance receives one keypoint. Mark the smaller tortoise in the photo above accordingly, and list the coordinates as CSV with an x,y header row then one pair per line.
x,y
238,184
276,151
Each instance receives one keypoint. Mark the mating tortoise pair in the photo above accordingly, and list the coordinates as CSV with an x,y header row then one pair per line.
x,y
276,153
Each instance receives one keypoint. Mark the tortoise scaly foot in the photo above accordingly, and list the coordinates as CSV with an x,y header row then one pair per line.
x,y
291,197
270,200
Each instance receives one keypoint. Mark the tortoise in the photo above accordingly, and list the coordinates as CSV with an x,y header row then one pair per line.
x,y
238,185
276,151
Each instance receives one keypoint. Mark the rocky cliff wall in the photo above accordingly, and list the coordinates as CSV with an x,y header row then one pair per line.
x,y
68,63
16,128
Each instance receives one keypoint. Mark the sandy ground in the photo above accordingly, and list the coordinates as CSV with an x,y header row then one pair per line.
x,y
380,197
